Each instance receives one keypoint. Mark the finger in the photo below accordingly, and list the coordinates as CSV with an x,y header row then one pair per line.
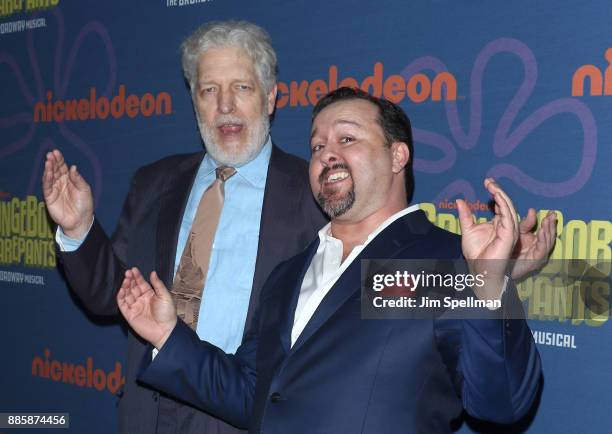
x,y
60,164
57,154
158,286
141,283
136,273
507,218
129,273
552,216
130,299
466,218
542,240
128,279
47,179
78,181
121,295
125,284
123,307
527,224
551,232
131,286
493,187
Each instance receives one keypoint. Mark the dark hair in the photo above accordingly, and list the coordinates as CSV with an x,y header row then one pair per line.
x,y
391,118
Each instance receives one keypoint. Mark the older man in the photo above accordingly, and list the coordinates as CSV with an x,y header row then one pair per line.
x,y
310,363
213,241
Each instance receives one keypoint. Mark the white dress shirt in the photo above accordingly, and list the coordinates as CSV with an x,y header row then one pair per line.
x,y
326,268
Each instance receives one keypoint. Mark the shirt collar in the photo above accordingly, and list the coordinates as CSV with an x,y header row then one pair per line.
x,y
325,234
254,172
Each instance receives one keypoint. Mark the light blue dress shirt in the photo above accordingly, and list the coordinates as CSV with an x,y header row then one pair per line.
x,y
227,291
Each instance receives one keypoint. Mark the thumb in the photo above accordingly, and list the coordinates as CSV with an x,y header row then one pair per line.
x,y
466,218
528,222
158,286
78,181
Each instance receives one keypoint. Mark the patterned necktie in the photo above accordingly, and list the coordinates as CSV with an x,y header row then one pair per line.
x,y
190,278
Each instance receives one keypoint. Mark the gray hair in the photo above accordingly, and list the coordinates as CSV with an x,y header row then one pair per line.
x,y
254,40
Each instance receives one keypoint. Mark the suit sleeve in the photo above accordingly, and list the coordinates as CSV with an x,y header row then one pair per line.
x,y
499,363
95,270
203,375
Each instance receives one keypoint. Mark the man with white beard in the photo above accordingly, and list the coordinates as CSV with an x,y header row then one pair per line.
x,y
265,214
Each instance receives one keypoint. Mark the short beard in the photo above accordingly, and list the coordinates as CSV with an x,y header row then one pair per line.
x,y
255,141
335,208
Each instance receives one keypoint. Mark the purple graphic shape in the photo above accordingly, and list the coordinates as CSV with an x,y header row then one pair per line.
x,y
10,61
459,188
589,152
505,140
437,141
60,84
95,28
19,118
522,95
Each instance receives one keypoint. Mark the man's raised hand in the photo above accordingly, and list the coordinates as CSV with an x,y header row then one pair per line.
x,y
149,310
533,249
488,246
67,196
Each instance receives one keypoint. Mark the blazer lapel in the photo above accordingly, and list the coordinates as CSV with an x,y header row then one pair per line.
x,y
278,186
290,293
397,237
172,203
279,210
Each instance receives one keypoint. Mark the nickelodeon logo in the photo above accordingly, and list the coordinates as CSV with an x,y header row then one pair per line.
x,y
418,88
102,107
600,84
77,374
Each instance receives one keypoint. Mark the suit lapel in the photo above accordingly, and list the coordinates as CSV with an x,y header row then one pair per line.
x,y
172,203
278,211
278,186
290,293
397,237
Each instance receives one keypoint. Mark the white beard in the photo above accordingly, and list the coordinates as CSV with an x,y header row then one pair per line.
x,y
235,157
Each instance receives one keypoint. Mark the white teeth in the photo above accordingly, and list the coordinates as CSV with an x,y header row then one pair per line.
x,y
337,176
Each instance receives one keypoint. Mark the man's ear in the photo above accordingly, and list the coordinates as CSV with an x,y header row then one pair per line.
x,y
401,155
272,100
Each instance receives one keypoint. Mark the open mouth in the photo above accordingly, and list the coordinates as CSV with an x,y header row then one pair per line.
x,y
337,176
334,175
230,128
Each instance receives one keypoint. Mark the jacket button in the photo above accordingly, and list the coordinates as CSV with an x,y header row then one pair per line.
x,y
275,397
155,396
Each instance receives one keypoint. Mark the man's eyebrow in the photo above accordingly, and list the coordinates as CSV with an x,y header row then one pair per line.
x,y
339,122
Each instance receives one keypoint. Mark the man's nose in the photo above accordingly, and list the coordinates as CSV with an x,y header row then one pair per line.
x,y
330,156
226,102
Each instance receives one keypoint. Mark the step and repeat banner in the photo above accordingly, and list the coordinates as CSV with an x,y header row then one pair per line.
x,y
520,91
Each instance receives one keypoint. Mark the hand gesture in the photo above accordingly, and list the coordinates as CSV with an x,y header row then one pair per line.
x,y
488,246
532,249
148,310
67,196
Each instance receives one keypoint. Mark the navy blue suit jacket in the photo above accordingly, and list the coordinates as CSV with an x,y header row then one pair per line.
x,y
146,237
345,374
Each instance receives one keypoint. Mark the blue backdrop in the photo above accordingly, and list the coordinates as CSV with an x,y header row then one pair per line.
x,y
492,88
